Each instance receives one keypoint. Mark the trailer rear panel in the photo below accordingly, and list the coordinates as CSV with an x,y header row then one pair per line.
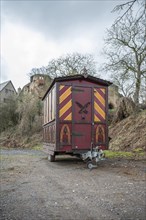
x,y
75,115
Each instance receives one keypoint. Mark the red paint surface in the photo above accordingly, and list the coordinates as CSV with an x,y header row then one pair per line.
x,y
82,136
82,126
83,97
82,115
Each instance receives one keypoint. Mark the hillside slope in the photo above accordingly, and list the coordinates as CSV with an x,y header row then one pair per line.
x,y
126,135
129,134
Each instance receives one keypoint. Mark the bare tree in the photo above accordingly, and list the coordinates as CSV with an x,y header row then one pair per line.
x,y
71,64
124,82
35,71
125,51
129,5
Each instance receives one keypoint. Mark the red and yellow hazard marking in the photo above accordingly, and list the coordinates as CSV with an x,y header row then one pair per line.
x,y
99,104
65,103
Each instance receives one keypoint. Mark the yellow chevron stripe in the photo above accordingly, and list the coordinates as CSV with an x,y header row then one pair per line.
x,y
96,118
69,117
103,90
65,108
65,95
100,98
61,87
99,110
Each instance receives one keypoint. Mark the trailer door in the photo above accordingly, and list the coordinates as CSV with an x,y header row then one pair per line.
x,y
82,118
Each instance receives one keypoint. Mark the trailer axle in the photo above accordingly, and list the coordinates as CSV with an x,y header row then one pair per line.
x,y
92,157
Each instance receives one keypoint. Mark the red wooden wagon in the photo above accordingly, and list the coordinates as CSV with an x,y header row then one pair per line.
x,y
75,118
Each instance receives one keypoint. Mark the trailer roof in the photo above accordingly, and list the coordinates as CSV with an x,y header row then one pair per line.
x,y
75,77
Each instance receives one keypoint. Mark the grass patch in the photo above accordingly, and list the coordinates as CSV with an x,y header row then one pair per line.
x,y
37,147
115,154
124,154
138,150
142,154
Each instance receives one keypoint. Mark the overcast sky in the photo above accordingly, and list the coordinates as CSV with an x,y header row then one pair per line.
x,y
34,32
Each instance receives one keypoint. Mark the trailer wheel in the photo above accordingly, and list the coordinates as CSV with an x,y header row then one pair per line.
x,y
90,165
51,158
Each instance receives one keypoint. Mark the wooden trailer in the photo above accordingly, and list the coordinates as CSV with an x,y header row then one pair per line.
x,y
75,117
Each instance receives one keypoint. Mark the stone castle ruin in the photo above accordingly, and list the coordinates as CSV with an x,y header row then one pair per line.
x,y
113,96
39,84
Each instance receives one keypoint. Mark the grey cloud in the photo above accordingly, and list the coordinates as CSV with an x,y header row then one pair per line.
x,y
56,18
4,68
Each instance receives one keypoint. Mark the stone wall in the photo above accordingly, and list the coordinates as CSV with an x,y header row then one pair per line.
x,y
113,96
38,85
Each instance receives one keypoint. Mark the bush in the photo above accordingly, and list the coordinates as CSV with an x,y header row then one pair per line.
x,y
8,115
29,110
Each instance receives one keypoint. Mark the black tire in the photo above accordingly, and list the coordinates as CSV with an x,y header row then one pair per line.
x,y
89,165
51,158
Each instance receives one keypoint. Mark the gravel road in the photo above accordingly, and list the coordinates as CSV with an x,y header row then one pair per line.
x,y
33,188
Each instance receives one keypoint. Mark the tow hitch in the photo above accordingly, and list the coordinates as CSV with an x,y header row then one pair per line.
x,y
92,157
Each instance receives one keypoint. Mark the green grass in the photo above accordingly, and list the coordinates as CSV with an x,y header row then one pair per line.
x,y
124,154
37,147
138,150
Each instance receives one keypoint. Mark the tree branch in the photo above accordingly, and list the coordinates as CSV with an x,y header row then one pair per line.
x,y
118,7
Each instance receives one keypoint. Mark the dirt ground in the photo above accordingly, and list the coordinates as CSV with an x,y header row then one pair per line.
x,y
33,188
